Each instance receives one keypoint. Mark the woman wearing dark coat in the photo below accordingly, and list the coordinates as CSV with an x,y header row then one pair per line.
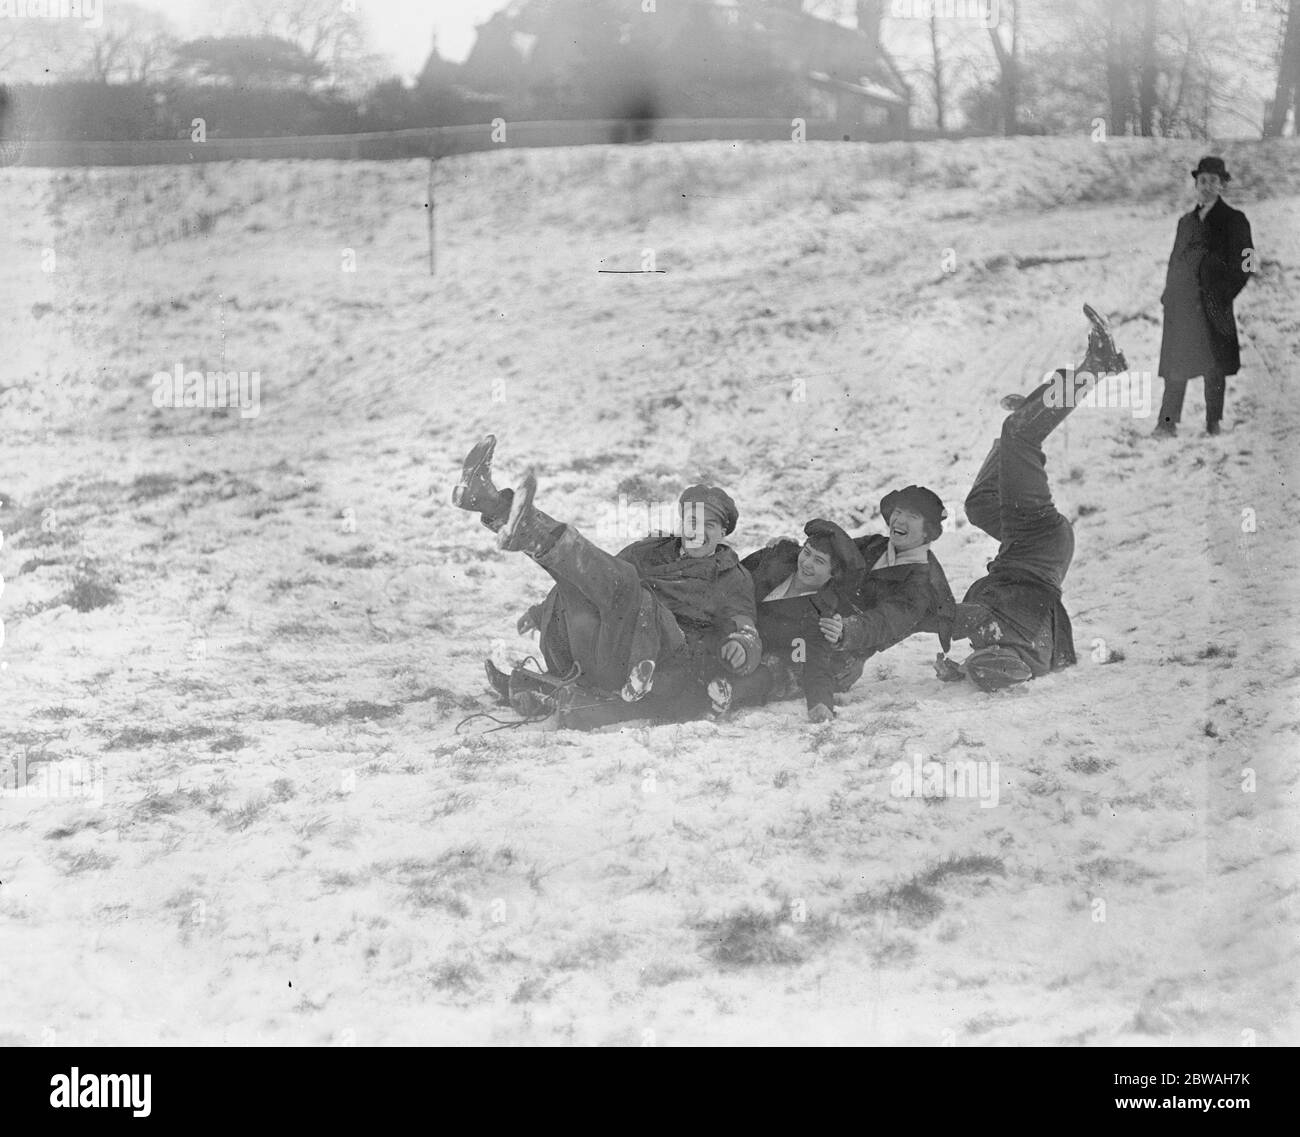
x,y
801,590
904,589
884,587
638,634
1013,616
1210,264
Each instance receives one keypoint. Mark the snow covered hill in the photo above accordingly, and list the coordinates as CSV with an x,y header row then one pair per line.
x,y
253,635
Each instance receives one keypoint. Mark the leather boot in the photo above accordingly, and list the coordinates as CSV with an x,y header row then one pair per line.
x,y
475,491
526,529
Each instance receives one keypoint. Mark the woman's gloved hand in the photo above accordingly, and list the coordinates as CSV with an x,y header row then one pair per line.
x,y
948,670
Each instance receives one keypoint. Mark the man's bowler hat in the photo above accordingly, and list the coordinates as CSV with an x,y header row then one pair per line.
x,y
1209,165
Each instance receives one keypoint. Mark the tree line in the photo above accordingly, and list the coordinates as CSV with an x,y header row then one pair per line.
x,y
1145,67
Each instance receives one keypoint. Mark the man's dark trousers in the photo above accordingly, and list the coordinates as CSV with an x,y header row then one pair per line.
x,y
1011,500
1171,403
598,615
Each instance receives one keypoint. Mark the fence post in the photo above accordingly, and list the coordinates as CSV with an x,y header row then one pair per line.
x,y
432,259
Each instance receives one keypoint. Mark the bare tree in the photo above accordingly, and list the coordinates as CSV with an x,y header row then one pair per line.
x,y
34,49
1287,92
1008,57
940,91
1149,68
131,45
329,33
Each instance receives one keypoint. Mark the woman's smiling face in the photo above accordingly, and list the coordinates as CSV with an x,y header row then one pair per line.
x,y
815,568
906,530
701,531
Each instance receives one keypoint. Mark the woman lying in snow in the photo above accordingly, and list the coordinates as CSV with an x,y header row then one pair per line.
x,y
826,608
636,635
1013,616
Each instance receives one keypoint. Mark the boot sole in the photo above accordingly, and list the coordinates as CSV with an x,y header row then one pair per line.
x,y
639,681
720,694
1102,326
996,674
479,457
521,504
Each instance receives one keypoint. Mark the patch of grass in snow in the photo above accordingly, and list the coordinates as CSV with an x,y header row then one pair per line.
x,y
975,865
749,937
137,737
156,804
283,584
531,990
1088,763
89,590
1215,651
661,973
447,880
73,863
894,951
459,976
229,742
591,951
146,487
62,832
323,714
912,904
301,630
452,803
359,557
1115,868
248,813
55,713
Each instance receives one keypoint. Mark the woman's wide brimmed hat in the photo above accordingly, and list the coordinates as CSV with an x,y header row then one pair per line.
x,y
919,500
1210,165
846,552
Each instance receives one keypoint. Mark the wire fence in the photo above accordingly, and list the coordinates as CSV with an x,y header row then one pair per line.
x,y
440,142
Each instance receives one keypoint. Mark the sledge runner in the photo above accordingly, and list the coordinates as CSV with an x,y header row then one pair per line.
x,y
630,636
1013,616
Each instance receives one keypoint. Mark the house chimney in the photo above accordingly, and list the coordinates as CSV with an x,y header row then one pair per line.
x,y
869,13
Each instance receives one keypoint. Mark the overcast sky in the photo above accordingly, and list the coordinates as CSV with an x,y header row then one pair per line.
x,y
399,29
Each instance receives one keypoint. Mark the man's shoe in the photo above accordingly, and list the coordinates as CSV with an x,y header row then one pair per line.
x,y
475,491
821,713
529,704
992,668
525,531
535,694
639,681
1165,430
497,518
498,680
1212,428
1103,357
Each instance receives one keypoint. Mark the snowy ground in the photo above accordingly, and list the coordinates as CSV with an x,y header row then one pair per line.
x,y
261,631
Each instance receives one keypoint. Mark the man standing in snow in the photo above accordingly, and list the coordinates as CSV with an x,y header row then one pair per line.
x,y
1013,616
1211,262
